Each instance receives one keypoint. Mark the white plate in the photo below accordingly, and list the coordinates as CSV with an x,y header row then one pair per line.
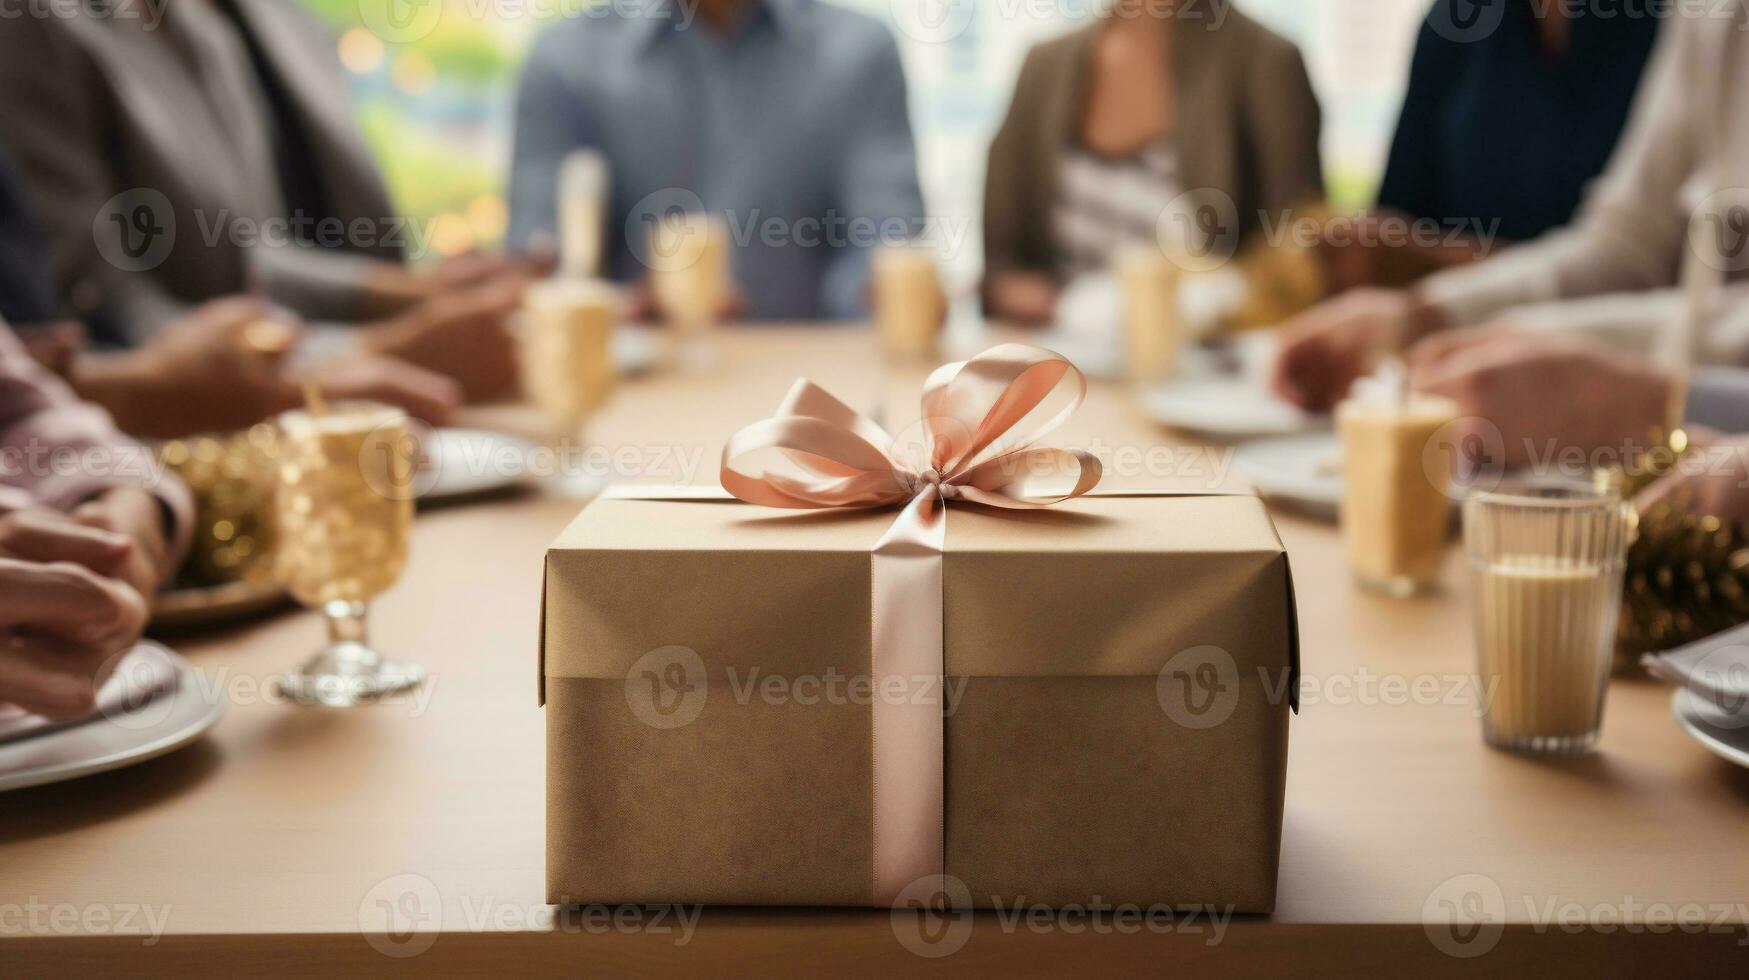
x,y
1303,470
1228,408
462,463
1724,735
163,724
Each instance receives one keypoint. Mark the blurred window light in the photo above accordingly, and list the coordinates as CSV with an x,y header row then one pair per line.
x,y
447,95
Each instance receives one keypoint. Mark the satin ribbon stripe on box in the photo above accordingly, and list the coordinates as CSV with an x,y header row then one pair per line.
x,y
976,445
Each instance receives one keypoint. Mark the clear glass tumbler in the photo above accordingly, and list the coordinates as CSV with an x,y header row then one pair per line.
x,y
1546,565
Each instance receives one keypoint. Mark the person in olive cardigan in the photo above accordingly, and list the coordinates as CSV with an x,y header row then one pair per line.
x,y
1232,97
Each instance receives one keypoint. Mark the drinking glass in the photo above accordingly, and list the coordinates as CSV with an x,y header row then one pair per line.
x,y
689,273
1546,564
345,512
567,344
1153,331
910,305
1396,504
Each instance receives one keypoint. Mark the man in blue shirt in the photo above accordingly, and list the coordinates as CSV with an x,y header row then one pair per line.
x,y
786,117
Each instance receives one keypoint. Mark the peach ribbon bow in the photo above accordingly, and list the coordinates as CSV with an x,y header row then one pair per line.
x,y
975,445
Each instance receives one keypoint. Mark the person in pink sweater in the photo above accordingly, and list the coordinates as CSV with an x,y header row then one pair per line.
x,y
90,527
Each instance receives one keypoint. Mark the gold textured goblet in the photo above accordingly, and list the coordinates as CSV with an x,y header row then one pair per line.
x,y
345,512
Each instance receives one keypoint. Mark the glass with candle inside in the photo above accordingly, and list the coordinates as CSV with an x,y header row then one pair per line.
x,y
1396,503
344,505
689,274
1546,562
567,348
1152,329
910,305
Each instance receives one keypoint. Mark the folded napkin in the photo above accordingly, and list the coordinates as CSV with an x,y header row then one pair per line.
x,y
1716,668
148,671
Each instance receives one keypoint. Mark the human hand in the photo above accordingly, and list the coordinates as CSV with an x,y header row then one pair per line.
x,y
66,609
61,626
464,335
1544,394
424,395
477,268
1718,486
138,517
1023,297
221,367
1326,348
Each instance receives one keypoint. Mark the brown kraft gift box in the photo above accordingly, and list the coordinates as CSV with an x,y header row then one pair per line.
x,y
1119,673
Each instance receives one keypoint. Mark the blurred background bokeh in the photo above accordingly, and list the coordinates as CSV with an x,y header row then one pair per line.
x,y
434,99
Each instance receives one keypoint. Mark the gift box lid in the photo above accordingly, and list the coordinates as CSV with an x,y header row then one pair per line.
x,y
1166,538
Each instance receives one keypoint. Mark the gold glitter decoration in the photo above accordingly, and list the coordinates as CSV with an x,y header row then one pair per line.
x,y
1687,574
1687,578
232,478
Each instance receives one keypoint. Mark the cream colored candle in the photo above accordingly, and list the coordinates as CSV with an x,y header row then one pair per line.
x,y
583,190
1395,504
909,303
567,346
1153,330
689,269
344,502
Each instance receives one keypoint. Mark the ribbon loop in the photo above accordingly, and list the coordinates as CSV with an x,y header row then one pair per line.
x,y
824,454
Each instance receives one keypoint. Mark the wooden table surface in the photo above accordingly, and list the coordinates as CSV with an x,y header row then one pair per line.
x,y
279,833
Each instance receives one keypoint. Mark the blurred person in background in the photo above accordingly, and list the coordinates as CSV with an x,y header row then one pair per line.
x,y
215,154
223,365
1533,397
786,117
1113,123
1499,134
81,546
1612,271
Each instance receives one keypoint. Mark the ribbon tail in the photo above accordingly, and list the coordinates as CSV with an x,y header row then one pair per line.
x,y
908,741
